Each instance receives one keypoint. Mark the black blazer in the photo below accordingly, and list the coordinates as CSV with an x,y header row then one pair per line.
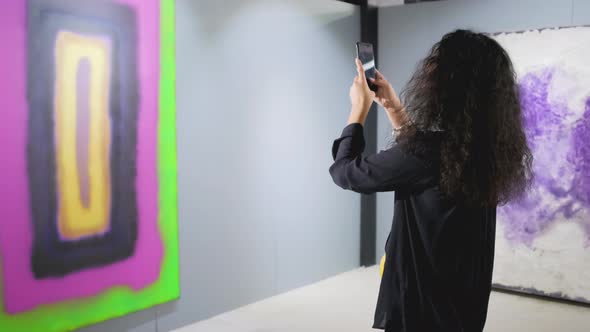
x,y
440,253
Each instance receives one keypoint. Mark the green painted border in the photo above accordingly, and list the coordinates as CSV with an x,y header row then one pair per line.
x,y
70,315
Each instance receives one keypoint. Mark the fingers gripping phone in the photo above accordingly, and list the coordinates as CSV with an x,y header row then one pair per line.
x,y
364,52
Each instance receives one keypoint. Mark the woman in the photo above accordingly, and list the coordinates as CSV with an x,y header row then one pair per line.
x,y
460,150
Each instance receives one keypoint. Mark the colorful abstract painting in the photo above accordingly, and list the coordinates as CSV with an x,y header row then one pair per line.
x,y
543,240
88,220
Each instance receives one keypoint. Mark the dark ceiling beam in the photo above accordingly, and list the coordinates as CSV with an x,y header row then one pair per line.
x,y
354,2
416,1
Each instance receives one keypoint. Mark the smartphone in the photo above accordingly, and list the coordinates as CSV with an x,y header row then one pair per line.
x,y
364,51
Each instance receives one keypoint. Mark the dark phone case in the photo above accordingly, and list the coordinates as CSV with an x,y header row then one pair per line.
x,y
372,86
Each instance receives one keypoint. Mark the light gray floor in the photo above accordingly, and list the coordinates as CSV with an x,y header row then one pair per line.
x,y
345,304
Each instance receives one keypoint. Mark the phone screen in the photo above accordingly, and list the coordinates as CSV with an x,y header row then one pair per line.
x,y
365,54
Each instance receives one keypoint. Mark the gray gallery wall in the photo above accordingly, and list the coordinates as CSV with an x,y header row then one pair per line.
x,y
407,32
262,90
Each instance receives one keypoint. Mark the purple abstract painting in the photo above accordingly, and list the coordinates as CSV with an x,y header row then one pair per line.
x,y
543,239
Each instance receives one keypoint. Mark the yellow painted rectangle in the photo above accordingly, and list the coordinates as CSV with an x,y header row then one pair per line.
x,y
74,219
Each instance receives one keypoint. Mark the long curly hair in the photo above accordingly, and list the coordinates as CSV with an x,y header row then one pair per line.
x,y
466,90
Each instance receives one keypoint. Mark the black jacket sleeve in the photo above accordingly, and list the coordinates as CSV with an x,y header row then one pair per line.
x,y
388,170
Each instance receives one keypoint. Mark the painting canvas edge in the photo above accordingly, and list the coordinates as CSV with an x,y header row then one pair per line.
x,y
167,162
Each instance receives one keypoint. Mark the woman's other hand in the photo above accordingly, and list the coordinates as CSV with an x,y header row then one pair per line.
x,y
389,100
386,95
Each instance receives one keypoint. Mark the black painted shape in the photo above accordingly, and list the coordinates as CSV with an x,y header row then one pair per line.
x,y
53,257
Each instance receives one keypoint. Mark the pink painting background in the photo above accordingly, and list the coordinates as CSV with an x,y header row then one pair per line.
x,y
21,291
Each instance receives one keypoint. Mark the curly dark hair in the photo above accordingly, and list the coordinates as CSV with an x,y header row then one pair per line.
x,y
466,89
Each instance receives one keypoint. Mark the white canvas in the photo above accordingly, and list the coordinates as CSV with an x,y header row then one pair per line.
x,y
543,240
